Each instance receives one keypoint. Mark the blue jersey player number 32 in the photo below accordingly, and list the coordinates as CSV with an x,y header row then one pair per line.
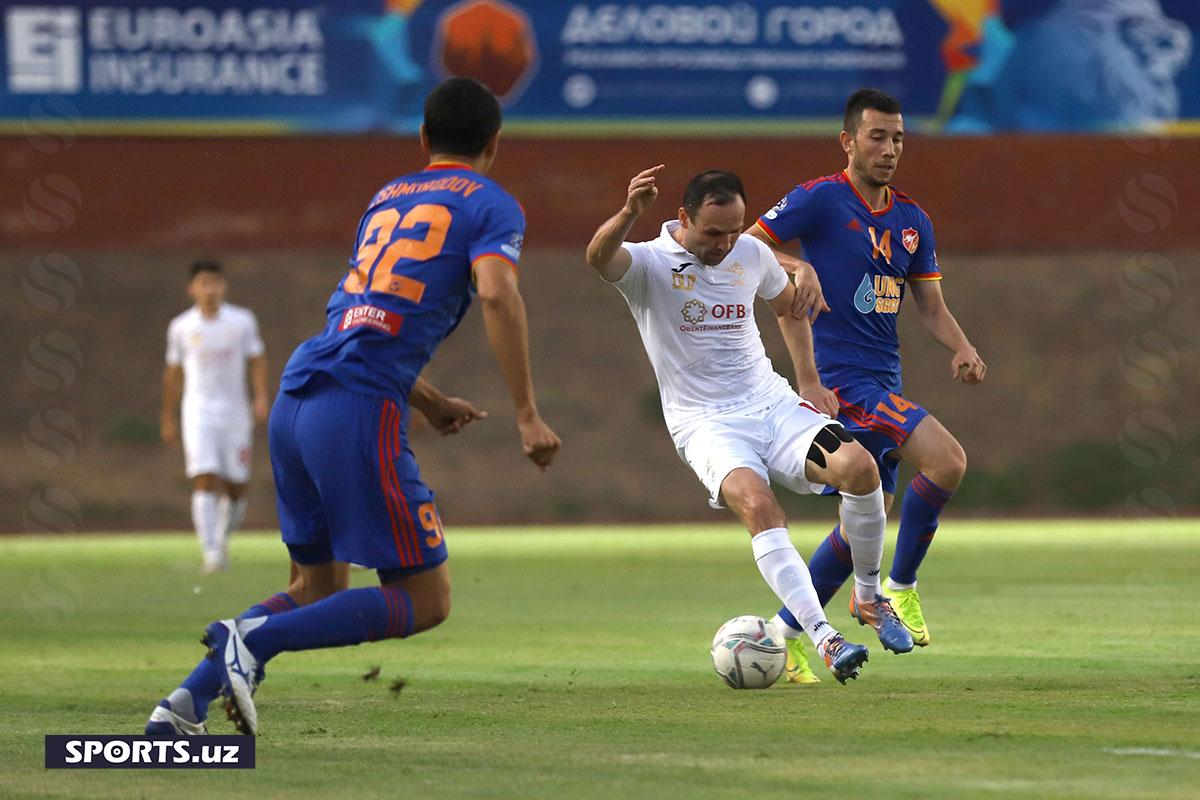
x,y
347,484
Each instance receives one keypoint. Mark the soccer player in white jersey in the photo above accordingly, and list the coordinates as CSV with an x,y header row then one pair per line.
x,y
733,419
208,349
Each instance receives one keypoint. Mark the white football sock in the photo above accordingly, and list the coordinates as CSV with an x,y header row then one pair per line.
x,y
788,631
786,573
863,522
230,514
204,518
897,587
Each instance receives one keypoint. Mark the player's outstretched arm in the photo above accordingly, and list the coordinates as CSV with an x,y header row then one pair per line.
x,y
797,335
604,252
810,300
508,334
446,414
943,327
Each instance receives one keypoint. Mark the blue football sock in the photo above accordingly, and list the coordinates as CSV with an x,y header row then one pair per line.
x,y
351,616
923,502
830,567
275,604
205,680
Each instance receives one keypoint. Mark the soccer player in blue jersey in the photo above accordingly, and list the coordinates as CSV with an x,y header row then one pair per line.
x,y
348,486
869,244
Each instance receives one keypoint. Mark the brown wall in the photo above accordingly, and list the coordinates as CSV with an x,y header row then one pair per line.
x,y
1017,193
1079,293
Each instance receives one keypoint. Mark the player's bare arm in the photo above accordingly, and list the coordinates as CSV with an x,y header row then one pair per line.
x,y
943,327
447,415
810,300
258,380
172,394
508,334
604,252
797,335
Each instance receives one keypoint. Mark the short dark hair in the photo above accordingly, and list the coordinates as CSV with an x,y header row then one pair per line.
x,y
714,186
863,99
207,265
461,117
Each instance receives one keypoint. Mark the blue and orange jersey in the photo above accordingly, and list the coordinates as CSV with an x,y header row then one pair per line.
x,y
410,279
863,258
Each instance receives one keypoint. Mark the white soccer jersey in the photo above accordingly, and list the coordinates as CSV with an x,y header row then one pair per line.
x,y
697,323
213,354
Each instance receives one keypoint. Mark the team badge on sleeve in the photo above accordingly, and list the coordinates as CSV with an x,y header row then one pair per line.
x,y
911,239
774,212
513,248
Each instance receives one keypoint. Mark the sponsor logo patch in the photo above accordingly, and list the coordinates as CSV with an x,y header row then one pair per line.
x,y
372,316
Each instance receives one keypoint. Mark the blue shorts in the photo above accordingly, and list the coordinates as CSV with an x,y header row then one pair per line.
x,y
880,420
347,484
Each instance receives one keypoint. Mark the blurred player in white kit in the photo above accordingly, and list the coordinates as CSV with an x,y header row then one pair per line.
x,y
208,349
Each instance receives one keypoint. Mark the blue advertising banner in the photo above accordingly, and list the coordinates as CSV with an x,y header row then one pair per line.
x,y
958,66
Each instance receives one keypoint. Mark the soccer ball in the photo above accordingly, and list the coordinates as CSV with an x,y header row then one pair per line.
x,y
749,653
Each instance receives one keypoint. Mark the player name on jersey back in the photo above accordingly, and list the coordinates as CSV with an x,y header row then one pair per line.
x,y
410,279
464,186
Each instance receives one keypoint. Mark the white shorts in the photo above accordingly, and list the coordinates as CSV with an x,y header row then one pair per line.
x,y
772,440
217,448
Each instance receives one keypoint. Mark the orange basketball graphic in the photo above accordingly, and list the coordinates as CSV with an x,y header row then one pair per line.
x,y
488,40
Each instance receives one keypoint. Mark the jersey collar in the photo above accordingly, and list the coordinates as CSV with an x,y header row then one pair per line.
x,y
891,197
450,165
667,240
214,317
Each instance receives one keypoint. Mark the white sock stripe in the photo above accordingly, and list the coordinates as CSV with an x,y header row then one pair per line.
x,y
864,503
770,541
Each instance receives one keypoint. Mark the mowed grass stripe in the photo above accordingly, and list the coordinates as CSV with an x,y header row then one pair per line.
x,y
575,663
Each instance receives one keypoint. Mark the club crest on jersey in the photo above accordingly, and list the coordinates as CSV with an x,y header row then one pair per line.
x,y
694,312
911,239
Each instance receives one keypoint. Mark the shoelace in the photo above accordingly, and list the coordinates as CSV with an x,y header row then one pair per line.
x,y
833,647
884,605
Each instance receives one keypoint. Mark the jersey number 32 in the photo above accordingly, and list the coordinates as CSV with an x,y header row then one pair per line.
x,y
378,254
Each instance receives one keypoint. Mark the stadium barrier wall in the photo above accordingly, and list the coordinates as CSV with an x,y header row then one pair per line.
x,y
986,193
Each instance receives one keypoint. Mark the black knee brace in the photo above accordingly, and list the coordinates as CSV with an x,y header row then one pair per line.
x,y
827,441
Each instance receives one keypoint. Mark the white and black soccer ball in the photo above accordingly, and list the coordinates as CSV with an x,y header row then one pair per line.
x,y
749,653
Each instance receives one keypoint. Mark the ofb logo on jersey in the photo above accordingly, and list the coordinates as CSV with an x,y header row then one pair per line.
x,y
694,312
45,50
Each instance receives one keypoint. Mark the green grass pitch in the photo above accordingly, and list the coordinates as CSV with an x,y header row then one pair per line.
x,y
1065,663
